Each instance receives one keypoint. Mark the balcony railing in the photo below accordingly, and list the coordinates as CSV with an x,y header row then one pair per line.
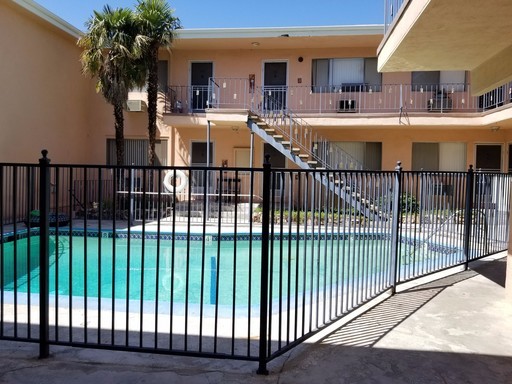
x,y
391,10
233,93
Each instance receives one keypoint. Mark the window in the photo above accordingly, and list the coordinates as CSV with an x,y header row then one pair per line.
x,y
366,154
136,152
439,157
435,80
345,75
242,157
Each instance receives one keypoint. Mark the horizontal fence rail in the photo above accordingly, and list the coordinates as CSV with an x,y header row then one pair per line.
x,y
224,262
342,99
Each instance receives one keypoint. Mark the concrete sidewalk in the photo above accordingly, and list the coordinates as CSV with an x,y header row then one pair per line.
x,y
454,330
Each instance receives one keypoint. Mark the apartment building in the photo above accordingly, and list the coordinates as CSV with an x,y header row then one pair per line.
x,y
308,96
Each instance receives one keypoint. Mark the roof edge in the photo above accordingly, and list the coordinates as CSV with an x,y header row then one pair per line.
x,y
335,30
48,16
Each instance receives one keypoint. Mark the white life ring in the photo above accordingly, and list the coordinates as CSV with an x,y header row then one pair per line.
x,y
168,181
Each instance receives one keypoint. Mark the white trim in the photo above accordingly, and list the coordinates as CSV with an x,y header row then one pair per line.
x,y
322,31
48,16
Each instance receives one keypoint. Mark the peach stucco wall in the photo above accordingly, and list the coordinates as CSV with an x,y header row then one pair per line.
x,y
43,101
396,142
241,63
46,102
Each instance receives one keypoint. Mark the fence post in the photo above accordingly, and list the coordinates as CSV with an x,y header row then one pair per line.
x,y
395,231
265,228
44,251
468,214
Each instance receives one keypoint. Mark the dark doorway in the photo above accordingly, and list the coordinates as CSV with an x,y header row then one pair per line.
x,y
198,158
200,75
163,77
274,85
278,160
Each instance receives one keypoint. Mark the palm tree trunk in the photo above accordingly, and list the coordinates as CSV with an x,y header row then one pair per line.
x,y
152,102
119,127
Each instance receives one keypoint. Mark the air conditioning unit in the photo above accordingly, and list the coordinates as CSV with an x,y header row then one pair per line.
x,y
347,106
134,105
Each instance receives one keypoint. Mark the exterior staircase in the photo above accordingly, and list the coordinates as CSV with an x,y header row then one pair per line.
x,y
293,137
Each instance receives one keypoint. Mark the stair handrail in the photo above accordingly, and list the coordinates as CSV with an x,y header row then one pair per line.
x,y
300,133
270,119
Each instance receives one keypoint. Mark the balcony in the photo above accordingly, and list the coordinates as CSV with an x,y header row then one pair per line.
x,y
449,35
343,100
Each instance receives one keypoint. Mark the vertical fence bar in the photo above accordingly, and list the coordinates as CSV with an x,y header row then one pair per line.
x,y
395,233
265,227
468,213
44,250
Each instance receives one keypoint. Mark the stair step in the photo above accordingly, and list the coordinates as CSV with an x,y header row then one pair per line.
x,y
278,137
303,156
312,162
286,143
295,150
270,130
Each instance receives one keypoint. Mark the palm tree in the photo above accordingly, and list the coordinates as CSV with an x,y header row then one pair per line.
x,y
112,51
157,24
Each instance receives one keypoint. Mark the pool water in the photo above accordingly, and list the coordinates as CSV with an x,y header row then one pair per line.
x,y
226,274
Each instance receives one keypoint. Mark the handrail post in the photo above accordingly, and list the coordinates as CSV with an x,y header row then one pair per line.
x,y
44,252
265,228
468,214
395,232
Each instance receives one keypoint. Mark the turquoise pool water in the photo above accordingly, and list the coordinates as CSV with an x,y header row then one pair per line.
x,y
226,274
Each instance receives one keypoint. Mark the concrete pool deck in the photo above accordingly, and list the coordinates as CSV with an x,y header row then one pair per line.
x,y
454,330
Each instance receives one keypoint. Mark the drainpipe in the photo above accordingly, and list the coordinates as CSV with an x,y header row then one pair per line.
x,y
251,159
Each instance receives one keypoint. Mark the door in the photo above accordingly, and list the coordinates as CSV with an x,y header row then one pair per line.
x,y
163,77
198,158
274,86
488,157
199,77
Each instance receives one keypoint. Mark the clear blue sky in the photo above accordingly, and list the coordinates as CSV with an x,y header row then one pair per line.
x,y
239,13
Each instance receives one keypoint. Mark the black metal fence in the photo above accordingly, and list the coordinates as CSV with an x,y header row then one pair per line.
x,y
99,257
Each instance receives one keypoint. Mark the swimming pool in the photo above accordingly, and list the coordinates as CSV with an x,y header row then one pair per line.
x,y
223,272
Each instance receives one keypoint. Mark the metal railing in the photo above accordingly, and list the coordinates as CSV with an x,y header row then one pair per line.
x,y
246,291
392,9
342,100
